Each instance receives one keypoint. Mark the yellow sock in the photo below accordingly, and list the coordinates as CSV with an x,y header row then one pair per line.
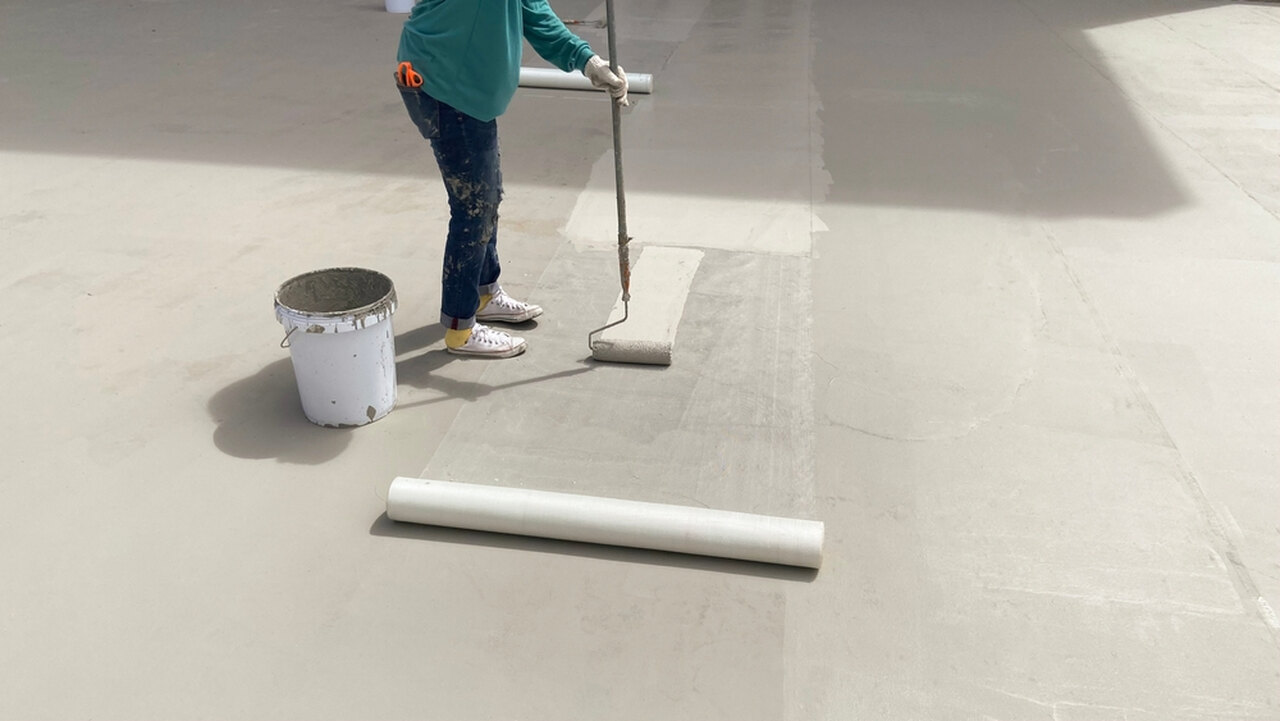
x,y
457,338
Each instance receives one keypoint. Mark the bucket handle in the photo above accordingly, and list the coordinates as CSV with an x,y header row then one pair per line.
x,y
284,343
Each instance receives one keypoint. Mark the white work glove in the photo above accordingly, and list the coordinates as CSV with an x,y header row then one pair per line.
x,y
598,72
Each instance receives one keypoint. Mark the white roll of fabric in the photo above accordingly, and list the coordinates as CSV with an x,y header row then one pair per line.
x,y
639,83
609,521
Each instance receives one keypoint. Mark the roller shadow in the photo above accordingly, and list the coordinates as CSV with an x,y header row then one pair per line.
x,y
385,527
420,372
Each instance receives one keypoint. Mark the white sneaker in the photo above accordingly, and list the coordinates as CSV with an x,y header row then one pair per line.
x,y
486,342
505,309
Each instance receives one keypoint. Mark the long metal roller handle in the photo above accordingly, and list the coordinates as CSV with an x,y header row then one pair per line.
x,y
624,255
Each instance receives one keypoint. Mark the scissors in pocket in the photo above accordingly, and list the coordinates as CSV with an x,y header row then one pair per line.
x,y
407,76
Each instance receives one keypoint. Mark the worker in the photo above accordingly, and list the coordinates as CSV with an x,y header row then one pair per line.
x,y
459,65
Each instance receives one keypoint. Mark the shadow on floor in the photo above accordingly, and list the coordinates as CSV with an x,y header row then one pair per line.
x,y
261,417
961,106
419,338
956,105
386,527
420,372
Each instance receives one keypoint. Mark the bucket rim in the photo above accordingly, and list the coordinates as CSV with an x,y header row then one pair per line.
x,y
386,301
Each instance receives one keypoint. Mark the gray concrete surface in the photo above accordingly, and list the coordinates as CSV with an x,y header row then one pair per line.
x,y
989,286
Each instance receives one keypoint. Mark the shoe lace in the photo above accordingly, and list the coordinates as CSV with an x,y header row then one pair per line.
x,y
484,335
502,300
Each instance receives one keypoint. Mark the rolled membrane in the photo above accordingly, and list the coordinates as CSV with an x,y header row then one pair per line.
x,y
608,521
638,83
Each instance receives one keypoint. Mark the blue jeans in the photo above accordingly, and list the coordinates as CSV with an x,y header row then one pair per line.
x,y
466,150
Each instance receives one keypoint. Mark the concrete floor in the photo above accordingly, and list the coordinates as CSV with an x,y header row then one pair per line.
x,y
990,287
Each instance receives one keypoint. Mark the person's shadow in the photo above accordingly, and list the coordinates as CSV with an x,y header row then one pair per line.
x,y
420,372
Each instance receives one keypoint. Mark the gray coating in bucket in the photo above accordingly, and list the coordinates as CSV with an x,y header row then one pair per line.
x,y
336,291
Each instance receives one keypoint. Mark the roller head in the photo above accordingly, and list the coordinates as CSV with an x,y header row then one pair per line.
x,y
647,352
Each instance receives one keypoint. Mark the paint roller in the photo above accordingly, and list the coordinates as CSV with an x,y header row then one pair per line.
x,y
650,352
607,521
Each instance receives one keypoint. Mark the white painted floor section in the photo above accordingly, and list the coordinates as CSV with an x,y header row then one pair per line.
x,y
990,287
660,281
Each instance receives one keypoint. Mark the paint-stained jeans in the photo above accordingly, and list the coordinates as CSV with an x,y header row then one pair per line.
x,y
466,150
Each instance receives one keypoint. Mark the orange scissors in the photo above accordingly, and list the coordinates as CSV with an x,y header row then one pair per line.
x,y
407,76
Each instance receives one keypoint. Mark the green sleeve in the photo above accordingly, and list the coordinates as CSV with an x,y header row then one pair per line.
x,y
551,39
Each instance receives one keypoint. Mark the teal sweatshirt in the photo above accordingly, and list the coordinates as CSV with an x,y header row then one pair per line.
x,y
468,51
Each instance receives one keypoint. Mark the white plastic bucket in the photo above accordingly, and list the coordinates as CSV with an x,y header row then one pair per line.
x,y
399,6
337,325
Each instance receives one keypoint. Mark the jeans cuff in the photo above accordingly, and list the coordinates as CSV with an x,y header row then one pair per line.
x,y
490,289
452,323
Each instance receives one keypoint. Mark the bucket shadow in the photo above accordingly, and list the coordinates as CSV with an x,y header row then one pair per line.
x,y
385,527
261,417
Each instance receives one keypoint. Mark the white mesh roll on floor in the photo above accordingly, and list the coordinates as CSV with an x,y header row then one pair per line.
x,y
637,83
609,521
